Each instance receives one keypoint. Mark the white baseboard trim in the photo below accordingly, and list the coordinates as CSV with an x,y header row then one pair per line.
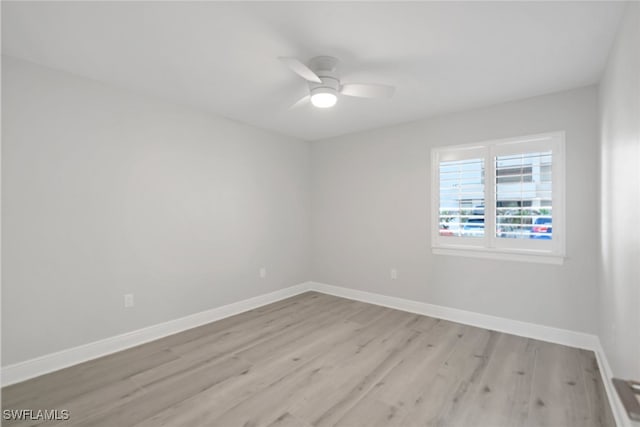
x,y
22,371
500,324
619,413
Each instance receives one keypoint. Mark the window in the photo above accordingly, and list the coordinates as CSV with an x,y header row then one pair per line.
x,y
500,199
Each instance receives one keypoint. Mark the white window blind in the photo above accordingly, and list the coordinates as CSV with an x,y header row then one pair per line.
x,y
461,210
523,189
503,198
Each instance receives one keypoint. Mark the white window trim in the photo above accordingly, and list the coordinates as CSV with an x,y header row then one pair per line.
x,y
539,251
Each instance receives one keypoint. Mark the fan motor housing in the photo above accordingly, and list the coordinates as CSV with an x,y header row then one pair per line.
x,y
325,69
329,84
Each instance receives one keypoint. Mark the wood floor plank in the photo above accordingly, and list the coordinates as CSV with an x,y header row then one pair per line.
x,y
355,360
206,408
288,420
319,360
271,392
558,394
441,396
403,387
600,411
271,322
409,341
53,390
501,396
181,386
371,412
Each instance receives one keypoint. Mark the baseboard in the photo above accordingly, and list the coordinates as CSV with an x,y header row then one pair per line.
x,y
619,413
22,371
500,324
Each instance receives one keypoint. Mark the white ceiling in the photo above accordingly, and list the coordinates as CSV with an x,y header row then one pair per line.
x,y
221,56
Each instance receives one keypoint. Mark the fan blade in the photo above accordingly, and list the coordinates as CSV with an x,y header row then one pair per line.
x,y
300,69
302,101
367,90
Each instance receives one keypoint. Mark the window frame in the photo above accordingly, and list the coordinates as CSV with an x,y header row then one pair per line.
x,y
489,246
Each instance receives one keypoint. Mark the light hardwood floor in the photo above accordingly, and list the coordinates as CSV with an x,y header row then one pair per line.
x,y
319,360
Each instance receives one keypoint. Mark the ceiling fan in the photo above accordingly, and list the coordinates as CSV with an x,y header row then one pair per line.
x,y
325,85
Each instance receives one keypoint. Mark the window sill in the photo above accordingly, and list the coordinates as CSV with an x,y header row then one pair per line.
x,y
541,258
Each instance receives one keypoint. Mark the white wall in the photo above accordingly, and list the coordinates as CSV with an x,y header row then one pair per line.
x,y
619,296
370,212
106,193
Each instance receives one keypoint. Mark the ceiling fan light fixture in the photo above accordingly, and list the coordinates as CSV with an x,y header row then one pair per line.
x,y
323,97
325,85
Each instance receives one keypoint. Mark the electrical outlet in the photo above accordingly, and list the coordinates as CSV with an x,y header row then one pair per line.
x,y
263,272
128,300
394,274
